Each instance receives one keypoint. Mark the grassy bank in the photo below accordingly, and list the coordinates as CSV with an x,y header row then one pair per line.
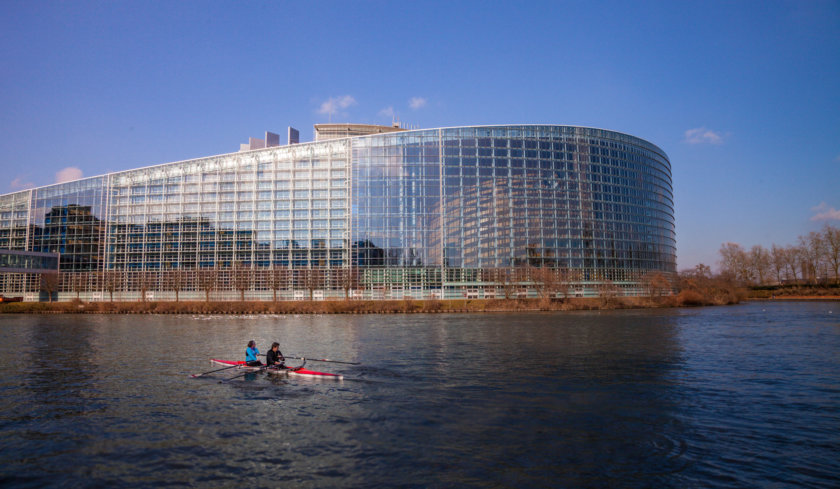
x,y
795,292
352,306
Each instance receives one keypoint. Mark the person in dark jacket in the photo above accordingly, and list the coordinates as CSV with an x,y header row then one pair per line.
x,y
274,358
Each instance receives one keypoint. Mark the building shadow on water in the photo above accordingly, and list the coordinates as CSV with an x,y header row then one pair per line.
x,y
536,400
62,379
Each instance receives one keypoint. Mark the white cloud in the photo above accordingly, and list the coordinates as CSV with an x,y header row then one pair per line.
x,y
701,135
825,213
417,102
68,174
387,112
19,184
332,105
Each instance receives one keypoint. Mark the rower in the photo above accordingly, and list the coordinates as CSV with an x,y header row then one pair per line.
x,y
274,358
251,355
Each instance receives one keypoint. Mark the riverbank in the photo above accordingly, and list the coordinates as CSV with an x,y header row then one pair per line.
x,y
345,306
797,298
794,293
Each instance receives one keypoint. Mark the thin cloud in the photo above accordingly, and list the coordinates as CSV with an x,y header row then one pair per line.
x,y
387,112
333,105
825,213
701,135
68,174
417,102
19,184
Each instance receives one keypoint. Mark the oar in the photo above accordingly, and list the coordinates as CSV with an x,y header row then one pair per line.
x,y
318,360
210,372
324,360
243,375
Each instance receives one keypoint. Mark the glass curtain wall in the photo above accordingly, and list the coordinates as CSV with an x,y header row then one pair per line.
x,y
233,220
14,235
70,219
463,211
455,212
396,233
595,203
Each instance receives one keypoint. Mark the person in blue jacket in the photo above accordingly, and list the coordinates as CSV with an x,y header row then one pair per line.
x,y
251,354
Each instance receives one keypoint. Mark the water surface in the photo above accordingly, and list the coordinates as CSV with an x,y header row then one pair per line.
x,y
742,396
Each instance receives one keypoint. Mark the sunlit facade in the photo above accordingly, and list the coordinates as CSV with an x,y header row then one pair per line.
x,y
435,213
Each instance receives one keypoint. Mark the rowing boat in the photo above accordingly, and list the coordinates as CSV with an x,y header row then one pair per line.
x,y
303,372
291,371
239,365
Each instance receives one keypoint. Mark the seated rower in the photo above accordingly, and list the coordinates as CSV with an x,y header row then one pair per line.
x,y
251,355
274,358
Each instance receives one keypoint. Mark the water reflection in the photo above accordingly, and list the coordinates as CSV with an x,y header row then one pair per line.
x,y
630,399
526,398
62,364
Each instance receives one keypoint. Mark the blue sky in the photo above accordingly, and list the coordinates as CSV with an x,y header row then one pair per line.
x,y
744,97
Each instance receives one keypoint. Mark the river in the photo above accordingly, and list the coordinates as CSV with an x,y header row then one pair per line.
x,y
738,396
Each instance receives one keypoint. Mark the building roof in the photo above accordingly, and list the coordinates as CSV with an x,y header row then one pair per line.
x,y
343,130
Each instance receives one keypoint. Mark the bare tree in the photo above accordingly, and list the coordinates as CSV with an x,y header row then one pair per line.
x,y
777,259
791,258
277,279
657,284
696,278
815,258
607,292
313,279
520,279
831,237
734,262
49,283
241,279
545,281
565,277
175,278
503,278
811,247
79,284
760,262
207,279
141,283
110,282
349,280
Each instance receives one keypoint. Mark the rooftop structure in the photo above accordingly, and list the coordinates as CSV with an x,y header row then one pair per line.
x,y
271,140
324,132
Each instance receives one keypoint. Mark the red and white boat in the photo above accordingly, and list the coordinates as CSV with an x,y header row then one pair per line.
x,y
290,371
239,365
303,372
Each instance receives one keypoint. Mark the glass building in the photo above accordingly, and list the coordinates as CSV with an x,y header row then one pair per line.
x,y
522,210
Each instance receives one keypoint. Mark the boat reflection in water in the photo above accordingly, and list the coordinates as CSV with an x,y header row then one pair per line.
x,y
712,397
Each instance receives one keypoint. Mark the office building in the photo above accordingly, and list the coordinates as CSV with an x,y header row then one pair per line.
x,y
482,211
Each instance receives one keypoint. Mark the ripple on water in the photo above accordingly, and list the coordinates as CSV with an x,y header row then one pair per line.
x,y
717,397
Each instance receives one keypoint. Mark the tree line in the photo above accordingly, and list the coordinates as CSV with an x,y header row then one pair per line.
x,y
237,278
814,259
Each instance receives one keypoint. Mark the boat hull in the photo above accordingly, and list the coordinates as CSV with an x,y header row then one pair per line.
x,y
303,372
291,372
240,365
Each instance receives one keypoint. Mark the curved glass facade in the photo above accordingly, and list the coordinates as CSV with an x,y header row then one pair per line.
x,y
452,212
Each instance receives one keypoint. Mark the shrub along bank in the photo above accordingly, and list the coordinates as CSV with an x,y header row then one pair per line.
x,y
801,291
362,307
